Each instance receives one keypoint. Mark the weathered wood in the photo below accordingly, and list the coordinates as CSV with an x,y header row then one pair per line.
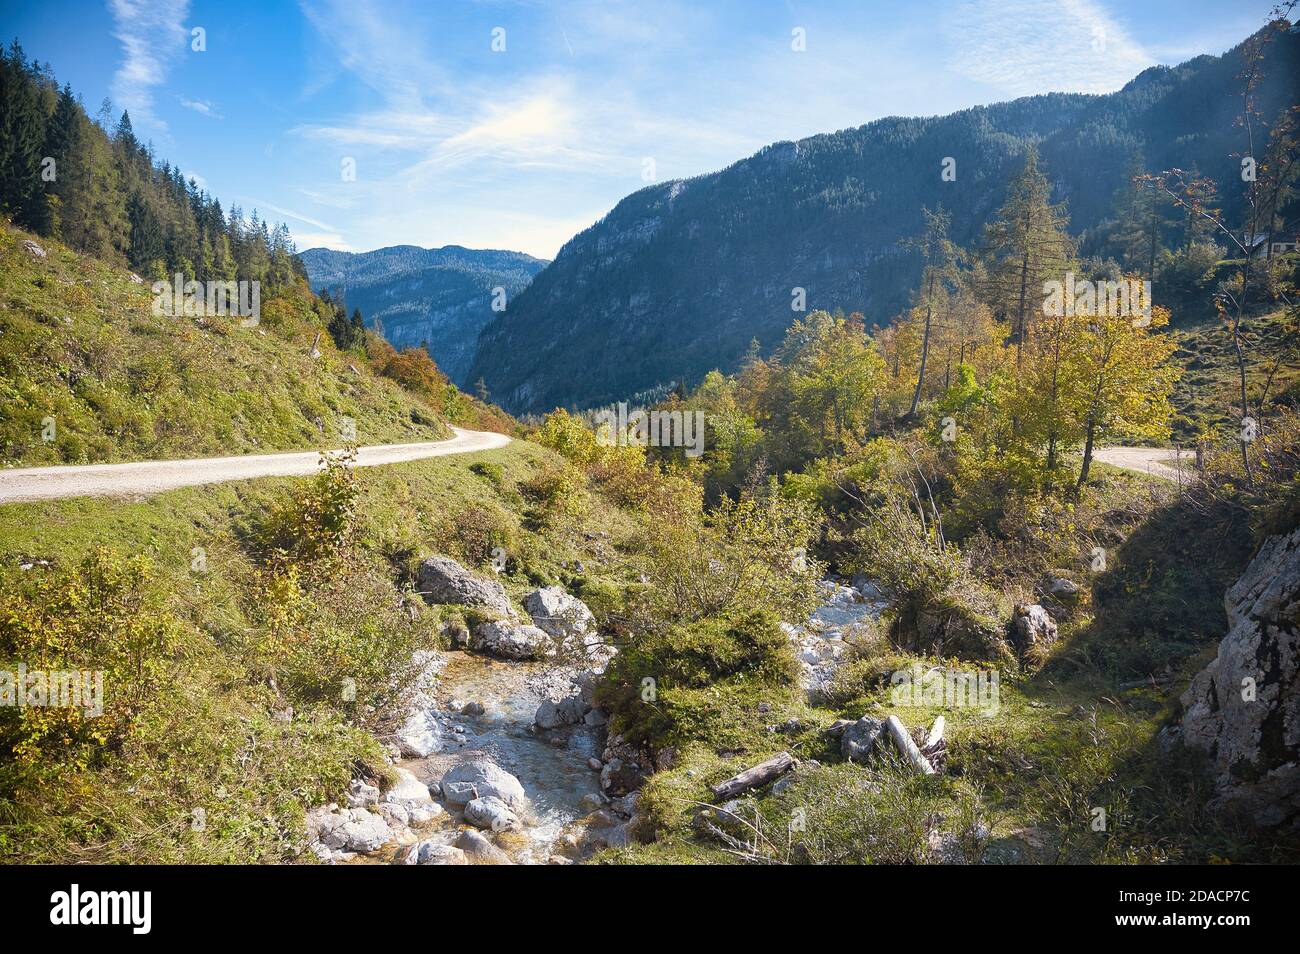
x,y
935,738
905,745
760,774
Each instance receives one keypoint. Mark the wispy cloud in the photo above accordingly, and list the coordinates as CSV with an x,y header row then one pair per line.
x,y
152,35
201,106
331,240
264,207
1022,47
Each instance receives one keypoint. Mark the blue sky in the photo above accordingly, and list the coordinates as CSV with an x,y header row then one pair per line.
x,y
455,143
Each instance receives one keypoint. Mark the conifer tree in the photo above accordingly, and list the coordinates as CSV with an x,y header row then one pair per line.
x,y
1025,245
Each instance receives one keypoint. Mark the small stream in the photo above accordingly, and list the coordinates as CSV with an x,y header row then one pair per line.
x,y
553,764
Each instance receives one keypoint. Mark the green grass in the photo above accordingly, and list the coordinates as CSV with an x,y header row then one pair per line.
x,y
1070,737
81,349
209,739
1208,397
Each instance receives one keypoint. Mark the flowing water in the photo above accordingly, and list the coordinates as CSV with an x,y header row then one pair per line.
x,y
551,765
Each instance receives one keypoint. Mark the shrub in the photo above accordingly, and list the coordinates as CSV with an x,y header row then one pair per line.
x,y
747,647
746,553
412,368
343,642
105,615
939,606
316,519
476,530
558,492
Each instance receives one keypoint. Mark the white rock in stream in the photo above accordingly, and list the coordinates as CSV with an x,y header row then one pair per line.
x,y
480,778
558,613
413,798
511,640
553,713
435,853
418,738
334,831
820,644
492,813
480,849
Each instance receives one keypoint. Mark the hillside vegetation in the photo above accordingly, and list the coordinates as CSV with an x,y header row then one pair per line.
x,y
680,277
228,669
86,362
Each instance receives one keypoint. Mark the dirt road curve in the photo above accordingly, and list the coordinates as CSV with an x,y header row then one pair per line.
x,y
1158,461
150,477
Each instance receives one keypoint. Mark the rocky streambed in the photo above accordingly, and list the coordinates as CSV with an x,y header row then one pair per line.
x,y
505,760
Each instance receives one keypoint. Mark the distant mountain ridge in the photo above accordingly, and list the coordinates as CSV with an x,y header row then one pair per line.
x,y
680,276
439,297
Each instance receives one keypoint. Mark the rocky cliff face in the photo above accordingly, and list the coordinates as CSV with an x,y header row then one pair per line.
x,y
1244,707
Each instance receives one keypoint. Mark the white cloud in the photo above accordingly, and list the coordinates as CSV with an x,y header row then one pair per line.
x,y
152,36
1023,47
332,240
201,106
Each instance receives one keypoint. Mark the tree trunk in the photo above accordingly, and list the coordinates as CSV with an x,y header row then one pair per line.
x,y
925,354
1024,291
903,740
1087,455
760,774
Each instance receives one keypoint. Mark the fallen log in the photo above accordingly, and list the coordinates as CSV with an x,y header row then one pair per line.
x,y
760,774
935,738
905,745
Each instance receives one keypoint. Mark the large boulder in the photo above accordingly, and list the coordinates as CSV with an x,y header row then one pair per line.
x,y
1032,629
347,830
481,778
480,850
435,853
490,812
409,800
553,713
558,613
443,580
419,736
511,640
572,625
1244,707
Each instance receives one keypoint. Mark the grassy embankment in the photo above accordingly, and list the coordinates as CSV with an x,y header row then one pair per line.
x,y
248,638
80,348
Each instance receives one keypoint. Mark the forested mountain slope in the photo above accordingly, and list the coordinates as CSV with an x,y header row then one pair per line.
x,y
435,297
679,277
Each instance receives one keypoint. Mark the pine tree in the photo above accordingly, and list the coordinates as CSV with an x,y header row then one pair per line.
x,y
1025,245
22,138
